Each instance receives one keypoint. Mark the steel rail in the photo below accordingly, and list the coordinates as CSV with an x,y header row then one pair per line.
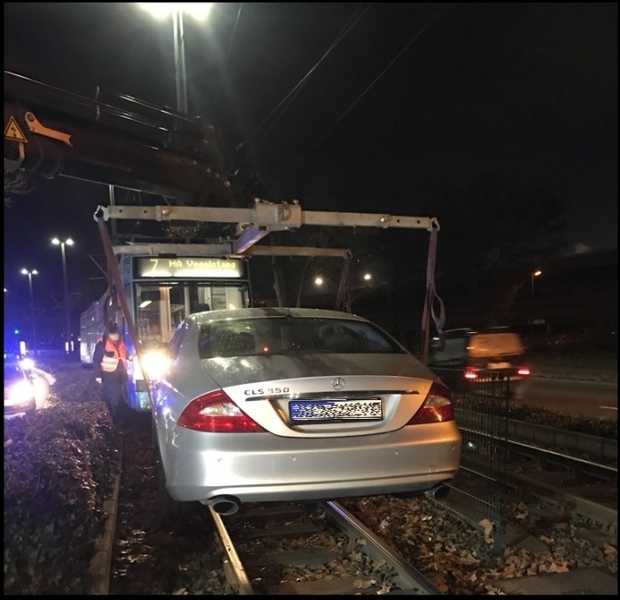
x,y
238,570
411,580
407,578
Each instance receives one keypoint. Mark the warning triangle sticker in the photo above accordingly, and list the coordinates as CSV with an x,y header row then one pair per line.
x,y
13,132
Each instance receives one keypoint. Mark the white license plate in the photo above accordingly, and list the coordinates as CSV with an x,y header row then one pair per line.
x,y
499,365
331,411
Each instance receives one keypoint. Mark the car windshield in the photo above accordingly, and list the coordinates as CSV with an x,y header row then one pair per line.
x,y
254,337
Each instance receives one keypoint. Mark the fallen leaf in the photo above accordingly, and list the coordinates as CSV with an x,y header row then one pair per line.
x,y
487,528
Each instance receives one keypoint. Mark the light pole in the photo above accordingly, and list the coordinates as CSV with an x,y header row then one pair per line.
x,y
33,328
535,274
68,242
160,11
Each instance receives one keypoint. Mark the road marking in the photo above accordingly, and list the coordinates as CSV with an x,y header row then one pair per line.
x,y
609,407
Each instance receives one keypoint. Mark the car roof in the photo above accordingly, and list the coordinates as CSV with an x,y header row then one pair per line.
x,y
276,312
460,330
485,330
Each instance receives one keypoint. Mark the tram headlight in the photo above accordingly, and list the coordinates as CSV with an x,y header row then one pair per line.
x,y
156,364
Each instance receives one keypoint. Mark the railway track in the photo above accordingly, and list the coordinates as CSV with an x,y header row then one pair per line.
x,y
497,472
310,548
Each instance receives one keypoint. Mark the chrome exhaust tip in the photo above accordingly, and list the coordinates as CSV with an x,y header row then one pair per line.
x,y
224,505
438,492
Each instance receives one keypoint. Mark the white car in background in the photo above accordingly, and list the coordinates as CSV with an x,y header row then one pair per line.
x,y
26,387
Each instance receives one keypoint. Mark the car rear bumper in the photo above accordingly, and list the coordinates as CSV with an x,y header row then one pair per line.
x,y
319,490
264,467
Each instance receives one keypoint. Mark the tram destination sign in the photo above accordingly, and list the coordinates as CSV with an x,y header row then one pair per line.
x,y
187,267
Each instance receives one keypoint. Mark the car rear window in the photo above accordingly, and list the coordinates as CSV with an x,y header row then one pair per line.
x,y
253,337
483,345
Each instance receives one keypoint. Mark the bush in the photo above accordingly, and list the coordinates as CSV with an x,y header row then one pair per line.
x,y
58,468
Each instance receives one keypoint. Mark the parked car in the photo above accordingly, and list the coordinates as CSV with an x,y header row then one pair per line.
x,y
289,404
26,387
462,357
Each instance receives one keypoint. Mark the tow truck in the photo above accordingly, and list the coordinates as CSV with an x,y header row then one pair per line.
x,y
173,164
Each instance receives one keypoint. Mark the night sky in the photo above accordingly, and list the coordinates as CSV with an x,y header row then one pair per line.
x,y
526,90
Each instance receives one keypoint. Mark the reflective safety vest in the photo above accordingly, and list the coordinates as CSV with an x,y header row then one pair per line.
x,y
110,363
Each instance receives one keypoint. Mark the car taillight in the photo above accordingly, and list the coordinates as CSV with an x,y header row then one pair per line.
x,y
437,407
524,371
215,412
471,374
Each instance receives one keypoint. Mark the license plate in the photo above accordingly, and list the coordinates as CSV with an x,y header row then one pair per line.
x,y
499,365
332,411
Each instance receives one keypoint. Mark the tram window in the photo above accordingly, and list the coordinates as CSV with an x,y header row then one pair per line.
x,y
217,297
177,306
149,321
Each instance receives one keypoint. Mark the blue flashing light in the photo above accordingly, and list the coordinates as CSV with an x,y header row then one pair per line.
x,y
16,332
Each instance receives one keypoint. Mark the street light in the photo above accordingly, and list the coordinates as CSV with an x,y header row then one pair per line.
x,y
67,242
318,281
160,11
535,274
34,331
367,276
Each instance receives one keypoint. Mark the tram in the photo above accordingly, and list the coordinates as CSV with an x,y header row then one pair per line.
x,y
161,291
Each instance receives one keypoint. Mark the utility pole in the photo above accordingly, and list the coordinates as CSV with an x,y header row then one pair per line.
x,y
180,71
67,242
66,291
32,323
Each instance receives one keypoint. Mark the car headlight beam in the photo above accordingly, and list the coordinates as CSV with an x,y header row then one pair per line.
x,y
155,364
19,393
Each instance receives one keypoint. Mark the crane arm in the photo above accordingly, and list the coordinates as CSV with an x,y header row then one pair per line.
x,y
111,139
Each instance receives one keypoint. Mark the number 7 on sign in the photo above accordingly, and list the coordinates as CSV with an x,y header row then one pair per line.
x,y
155,262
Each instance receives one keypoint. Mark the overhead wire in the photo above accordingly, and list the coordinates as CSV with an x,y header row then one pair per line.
x,y
282,106
410,42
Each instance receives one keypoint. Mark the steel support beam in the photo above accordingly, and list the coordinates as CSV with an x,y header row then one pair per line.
x,y
266,217
156,249
297,251
276,217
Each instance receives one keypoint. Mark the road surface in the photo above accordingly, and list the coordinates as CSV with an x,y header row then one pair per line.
x,y
574,398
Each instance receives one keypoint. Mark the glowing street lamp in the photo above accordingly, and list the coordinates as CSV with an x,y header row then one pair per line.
x,y
367,277
318,281
34,331
68,242
161,11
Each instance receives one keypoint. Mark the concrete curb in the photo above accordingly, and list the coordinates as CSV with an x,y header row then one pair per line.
x,y
101,564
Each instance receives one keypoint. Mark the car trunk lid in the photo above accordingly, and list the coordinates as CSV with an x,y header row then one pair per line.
x,y
371,395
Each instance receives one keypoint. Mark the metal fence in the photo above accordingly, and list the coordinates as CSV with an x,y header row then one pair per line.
x,y
482,409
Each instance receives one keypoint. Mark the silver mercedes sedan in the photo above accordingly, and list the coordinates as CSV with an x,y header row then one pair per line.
x,y
293,404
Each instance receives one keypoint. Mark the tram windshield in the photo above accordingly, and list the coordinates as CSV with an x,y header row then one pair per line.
x,y
161,307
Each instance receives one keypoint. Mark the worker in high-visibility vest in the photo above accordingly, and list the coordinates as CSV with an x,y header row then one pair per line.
x,y
110,362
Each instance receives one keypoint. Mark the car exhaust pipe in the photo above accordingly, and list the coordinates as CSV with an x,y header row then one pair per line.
x,y
439,492
224,505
